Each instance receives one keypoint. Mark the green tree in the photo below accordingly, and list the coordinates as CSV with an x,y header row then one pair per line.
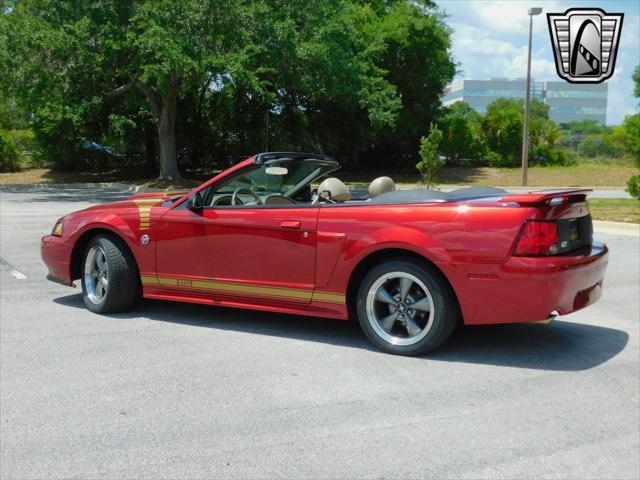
x,y
9,154
225,77
503,125
82,55
631,128
411,43
463,137
430,162
586,127
322,87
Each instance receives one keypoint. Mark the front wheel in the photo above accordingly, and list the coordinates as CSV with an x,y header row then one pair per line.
x,y
110,280
405,308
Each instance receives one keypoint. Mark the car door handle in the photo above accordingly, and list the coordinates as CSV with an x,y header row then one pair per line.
x,y
291,224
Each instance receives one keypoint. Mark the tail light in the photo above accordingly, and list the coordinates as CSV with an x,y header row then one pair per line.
x,y
538,238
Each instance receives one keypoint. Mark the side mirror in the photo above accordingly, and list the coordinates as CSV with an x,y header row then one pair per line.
x,y
195,202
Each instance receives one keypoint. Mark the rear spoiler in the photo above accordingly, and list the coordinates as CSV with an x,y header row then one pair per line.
x,y
544,195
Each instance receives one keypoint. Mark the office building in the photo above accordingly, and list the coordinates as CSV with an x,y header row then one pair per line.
x,y
567,101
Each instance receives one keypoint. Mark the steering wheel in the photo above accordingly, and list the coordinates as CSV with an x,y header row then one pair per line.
x,y
235,200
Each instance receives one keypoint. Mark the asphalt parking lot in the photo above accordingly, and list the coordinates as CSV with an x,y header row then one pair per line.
x,y
185,391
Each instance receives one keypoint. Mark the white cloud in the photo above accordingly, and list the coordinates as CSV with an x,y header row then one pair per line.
x,y
500,18
490,39
621,101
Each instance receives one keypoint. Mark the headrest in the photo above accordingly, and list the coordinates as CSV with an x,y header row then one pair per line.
x,y
381,185
338,190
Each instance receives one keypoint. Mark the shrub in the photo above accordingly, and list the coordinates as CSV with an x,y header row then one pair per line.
x,y
27,145
24,139
430,162
57,135
9,154
633,186
500,161
544,155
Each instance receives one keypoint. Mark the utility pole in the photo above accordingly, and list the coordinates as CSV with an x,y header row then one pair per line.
x,y
525,134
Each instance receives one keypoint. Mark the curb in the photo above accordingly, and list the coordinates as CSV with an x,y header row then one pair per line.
x,y
130,187
616,228
121,187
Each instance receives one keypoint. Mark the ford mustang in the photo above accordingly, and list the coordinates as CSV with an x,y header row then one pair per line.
x,y
279,232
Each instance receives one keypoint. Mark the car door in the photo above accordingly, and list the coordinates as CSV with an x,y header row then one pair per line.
x,y
250,253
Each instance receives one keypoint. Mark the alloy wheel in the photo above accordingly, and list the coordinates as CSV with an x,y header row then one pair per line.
x,y
96,274
400,308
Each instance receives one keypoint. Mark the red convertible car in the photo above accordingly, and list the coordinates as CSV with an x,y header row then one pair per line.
x,y
408,264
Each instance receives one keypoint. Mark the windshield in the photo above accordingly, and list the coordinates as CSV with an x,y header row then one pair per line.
x,y
286,177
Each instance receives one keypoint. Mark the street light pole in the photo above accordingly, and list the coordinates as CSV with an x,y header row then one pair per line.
x,y
525,134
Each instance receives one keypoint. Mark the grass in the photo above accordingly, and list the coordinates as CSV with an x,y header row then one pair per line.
x,y
615,209
136,175
582,175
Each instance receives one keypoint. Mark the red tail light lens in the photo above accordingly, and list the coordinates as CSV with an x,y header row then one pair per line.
x,y
538,238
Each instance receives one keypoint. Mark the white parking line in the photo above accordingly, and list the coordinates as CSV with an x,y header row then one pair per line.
x,y
18,275
15,273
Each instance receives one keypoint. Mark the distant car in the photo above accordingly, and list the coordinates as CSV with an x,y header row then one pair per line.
x,y
94,147
408,264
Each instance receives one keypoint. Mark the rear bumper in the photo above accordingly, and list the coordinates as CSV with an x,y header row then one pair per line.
x,y
527,289
56,255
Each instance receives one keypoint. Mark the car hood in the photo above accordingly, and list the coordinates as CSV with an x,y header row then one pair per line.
x,y
149,199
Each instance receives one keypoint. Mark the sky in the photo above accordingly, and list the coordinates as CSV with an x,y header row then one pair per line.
x,y
490,40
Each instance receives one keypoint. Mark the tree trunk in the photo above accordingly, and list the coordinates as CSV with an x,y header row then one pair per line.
x,y
164,108
167,136
150,147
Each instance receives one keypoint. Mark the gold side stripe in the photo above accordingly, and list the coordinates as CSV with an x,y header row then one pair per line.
x,y
147,201
144,210
235,287
329,297
242,288
149,280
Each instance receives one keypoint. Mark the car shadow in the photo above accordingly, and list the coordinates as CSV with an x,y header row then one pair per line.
x,y
560,346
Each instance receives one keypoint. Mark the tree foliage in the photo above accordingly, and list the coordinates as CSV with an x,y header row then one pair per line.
x,y
463,137
503,125
197,80
430,162
9,154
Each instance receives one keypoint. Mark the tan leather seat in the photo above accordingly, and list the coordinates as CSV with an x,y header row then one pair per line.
x,y
381,185
338,191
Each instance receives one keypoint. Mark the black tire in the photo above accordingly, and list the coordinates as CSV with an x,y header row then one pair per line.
x,y
122,276
445,307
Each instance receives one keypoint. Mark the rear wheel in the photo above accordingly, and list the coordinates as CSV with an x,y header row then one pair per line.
x,y
405,308
110,280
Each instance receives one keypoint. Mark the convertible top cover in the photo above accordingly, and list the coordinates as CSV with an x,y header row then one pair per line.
x,y
400,197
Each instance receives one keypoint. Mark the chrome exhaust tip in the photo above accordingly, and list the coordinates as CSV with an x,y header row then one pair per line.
x,y
552,316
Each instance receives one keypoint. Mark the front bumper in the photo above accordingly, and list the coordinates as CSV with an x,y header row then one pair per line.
x,y
56,254
527,289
